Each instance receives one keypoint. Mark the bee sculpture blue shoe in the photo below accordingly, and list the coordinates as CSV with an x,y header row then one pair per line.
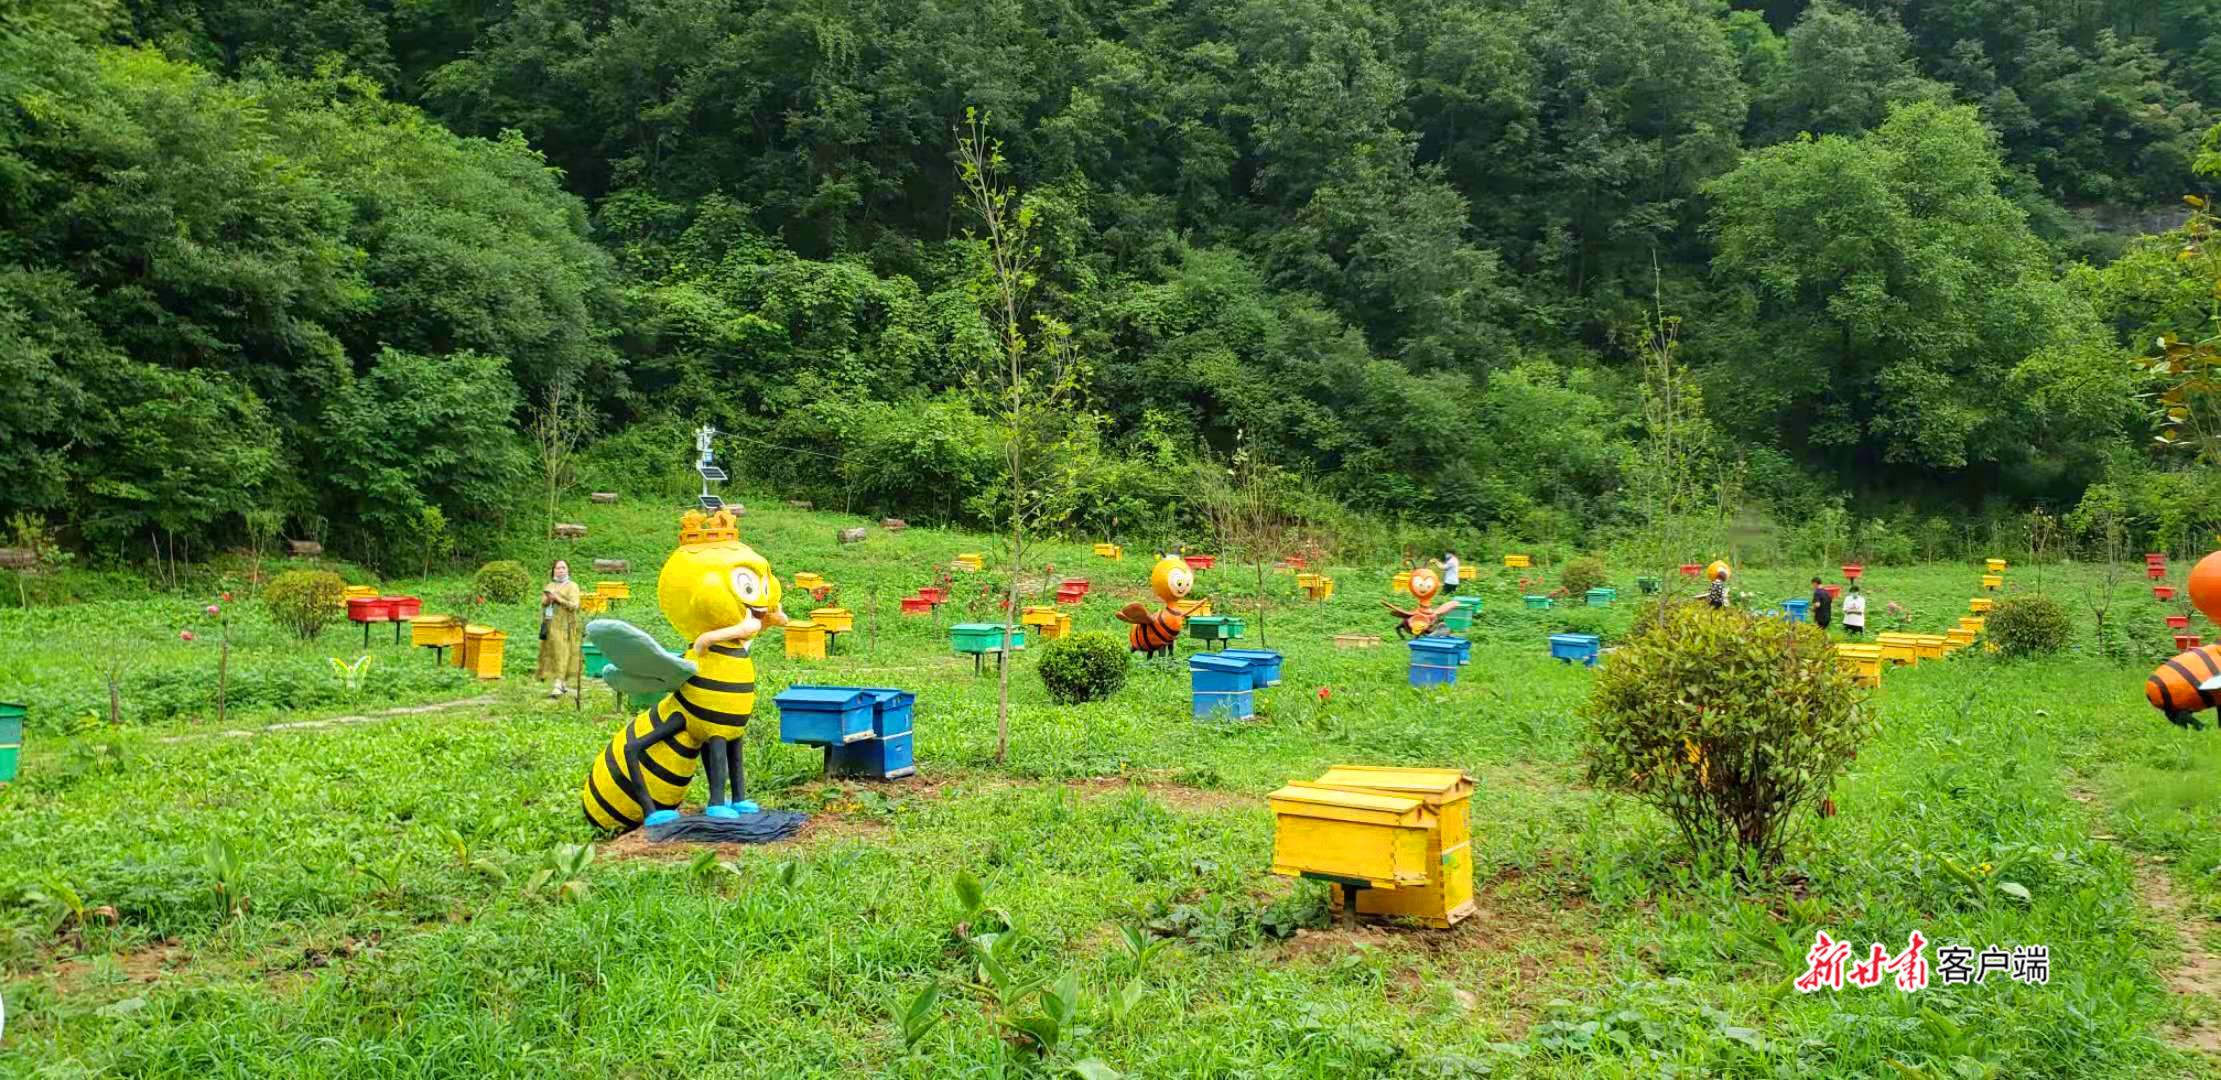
x,y
662,817
721,810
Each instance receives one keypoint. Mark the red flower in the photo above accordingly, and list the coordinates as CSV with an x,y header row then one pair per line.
x,y
227,598
1325,693
185,635
214,610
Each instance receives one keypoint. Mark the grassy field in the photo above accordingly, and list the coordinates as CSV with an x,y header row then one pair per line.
x,y
367,898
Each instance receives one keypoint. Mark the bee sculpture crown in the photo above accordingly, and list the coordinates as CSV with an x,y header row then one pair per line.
x,y
696,528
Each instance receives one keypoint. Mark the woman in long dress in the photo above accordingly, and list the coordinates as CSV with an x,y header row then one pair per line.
x,y
559,630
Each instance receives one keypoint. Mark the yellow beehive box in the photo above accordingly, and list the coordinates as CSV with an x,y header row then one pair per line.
x,y
1307,582
357,592
1063,628
805,640
430,631
481,651
1372,839
1864,662
1193,608
970,561
1980,604
1900,648
1517,562
593,603
1356,641
1039,616
1993,582
835,620
1956,639
1401,582
1325,590
1110,551
615,590
1996,566
1973,624
1930,646
805,581
1448,896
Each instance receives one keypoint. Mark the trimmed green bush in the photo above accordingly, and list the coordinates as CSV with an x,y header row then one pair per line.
x,y
1088,666
1582,574
1726,723
504,582
2029,624
304,600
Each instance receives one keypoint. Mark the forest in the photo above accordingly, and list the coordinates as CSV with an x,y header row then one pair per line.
x,y
363,271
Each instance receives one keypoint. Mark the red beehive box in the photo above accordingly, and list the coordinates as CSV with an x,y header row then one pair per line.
x,y
2155,557
1076,584
369,609
1201,562
1069,595
2155,571
1834,591
1689,569
1853,570
916,605
2163,592
933,594
402,607
2187,642
2178,622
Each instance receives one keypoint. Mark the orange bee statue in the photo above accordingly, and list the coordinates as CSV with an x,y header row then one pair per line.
x,y
2190,682
1420,620
1155,631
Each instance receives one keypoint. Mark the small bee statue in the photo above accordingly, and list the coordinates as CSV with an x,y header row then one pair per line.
x,y
2190,682
720,594
1421,619
1155,632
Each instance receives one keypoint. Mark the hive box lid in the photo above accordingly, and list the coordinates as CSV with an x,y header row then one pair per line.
x,y
1347,804
1434,643
1575,639
978,627
1441,784
1217,662
1265,655
885,697
822,697
829,611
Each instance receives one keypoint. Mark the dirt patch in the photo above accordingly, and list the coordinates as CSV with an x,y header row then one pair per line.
x,y
331,721
142,966
2199,972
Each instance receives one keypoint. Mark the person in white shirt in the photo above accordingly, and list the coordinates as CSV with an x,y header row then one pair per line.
x,y
1449,572
1854,612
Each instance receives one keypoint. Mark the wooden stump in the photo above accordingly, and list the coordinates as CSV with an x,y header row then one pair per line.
x,y
800,504
570,531
18,558
612,566
304,549
603,497
850,536
1356,641
893,524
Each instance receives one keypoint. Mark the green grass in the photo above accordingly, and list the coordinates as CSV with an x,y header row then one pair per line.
x,y
388,926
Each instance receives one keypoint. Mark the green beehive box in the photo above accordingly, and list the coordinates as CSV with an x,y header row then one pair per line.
x,y
1458,618
1472,604
1215,627
11,739
983,637
1602,597
1537,602
1647,584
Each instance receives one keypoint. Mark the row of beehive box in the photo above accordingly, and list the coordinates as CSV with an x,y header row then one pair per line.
x,y
1400,840
1866,659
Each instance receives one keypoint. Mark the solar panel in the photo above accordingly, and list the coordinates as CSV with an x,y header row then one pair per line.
x,y
712,503
711,473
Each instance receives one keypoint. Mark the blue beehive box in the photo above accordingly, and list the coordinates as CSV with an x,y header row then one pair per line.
x,y
1223,683
824,715
1434,660
1465,650
1264,664
886,757
1797,609
890,708
1571,647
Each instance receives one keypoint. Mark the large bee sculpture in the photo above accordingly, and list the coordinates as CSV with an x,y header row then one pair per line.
x,y
1154,632
720,594
2190,682
1422,617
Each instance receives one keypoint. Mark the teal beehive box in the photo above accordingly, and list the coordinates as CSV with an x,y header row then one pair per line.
x,y
11,739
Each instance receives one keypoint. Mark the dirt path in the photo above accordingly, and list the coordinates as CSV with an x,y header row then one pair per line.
x,y
330,721
2199,971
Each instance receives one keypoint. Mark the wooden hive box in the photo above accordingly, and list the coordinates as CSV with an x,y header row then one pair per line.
x,y
1372,840
1447,896
805,640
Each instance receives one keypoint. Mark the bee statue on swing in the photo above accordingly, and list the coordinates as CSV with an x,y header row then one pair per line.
x,y
720,594
1421,619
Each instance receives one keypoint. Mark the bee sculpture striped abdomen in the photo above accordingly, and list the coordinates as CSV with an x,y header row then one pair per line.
x,y
2173,687
666,765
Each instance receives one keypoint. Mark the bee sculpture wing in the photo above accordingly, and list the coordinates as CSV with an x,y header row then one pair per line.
x,y
1135,614
2211,684
637,665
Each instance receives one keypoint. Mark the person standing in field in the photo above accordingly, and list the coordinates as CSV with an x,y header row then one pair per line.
x,y
1822,601
560,658
1854,612
1715,594
1449,572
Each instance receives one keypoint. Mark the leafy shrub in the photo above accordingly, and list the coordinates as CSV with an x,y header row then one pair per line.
x,y
2028,624
1083,667
1728,724
504,582
304,600
1582,574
